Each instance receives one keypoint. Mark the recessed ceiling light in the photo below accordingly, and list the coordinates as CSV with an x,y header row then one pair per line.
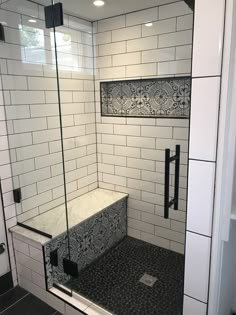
x,y
32,21
149,24
98,3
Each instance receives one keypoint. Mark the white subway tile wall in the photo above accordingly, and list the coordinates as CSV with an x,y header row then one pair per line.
x,y
131,151
31,105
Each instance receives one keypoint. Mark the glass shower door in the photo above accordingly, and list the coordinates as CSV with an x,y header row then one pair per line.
x,y
32,110
74,57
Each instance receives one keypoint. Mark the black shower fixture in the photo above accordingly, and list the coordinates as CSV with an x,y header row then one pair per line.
x,y
2,33
190,3
54,15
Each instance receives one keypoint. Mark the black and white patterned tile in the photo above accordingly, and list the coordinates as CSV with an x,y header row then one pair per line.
x,y
87,241
167,98
113,281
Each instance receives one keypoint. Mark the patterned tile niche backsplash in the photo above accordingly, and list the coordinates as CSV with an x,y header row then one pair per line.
x,y
167,98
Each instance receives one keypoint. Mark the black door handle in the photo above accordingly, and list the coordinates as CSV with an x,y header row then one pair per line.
x,y
175,201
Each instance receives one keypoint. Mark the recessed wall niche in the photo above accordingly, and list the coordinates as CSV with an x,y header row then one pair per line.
x,y
158,97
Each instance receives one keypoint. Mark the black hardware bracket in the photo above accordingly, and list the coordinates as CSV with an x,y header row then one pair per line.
x,y
2,248
174,201
54,15
70,267
17,195
54,258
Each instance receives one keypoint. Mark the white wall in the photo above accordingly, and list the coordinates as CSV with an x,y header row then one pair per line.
x,y
131,151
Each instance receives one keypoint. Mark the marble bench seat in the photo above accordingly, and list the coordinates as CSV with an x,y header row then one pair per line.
x,y
97,221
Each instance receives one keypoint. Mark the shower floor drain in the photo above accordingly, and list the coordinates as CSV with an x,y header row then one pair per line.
x,y
148,280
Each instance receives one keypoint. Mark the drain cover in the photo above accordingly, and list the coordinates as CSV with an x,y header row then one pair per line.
x,y
148,280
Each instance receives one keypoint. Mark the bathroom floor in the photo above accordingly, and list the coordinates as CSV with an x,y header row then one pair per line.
x,y
113,281
19,302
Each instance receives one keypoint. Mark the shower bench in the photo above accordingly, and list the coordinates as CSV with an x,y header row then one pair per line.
x,y
96,222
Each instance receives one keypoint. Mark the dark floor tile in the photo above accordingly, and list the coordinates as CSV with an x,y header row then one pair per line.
x,y
11,297
6,283
30,305
113,281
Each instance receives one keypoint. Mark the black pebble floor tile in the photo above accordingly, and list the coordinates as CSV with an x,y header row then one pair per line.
x,y
20,302
113,280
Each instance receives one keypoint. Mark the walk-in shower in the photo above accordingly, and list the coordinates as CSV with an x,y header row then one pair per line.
x,y
97,103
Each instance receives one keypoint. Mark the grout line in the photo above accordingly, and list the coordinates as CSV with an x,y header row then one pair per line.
x,y
15,303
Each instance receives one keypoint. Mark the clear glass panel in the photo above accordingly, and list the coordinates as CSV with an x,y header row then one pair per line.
x,y
123,268
126,257
30,95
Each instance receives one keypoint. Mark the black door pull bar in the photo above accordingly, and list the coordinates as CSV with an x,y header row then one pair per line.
x,y
174,201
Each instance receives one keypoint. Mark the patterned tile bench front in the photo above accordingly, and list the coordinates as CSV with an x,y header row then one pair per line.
x,y
86,241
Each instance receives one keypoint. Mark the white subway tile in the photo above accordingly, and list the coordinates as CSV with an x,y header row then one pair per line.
x,y
157,132
111,24
141,142
112,73
194,307
103,62
141,205
174,67
126,33
27,97
142,44
158,55
26,125
208,37
141,70
33,177
141,164
103,38
200,205
112,49
17,112
180,133
155,240
169,234
114,139
141,17
127,151
159,27
22,167
127,172
184,52
14,82
127,130
156,220
204,109
142,226
198,259
174,9
126,59
142,185
185,22
36,201
177,247
28,152
175,39
114,179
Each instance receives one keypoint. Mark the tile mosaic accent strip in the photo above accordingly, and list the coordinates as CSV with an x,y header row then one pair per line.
x,y
88,240
167,98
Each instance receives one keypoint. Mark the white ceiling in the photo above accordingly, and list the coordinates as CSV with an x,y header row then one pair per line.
x,y
85,8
